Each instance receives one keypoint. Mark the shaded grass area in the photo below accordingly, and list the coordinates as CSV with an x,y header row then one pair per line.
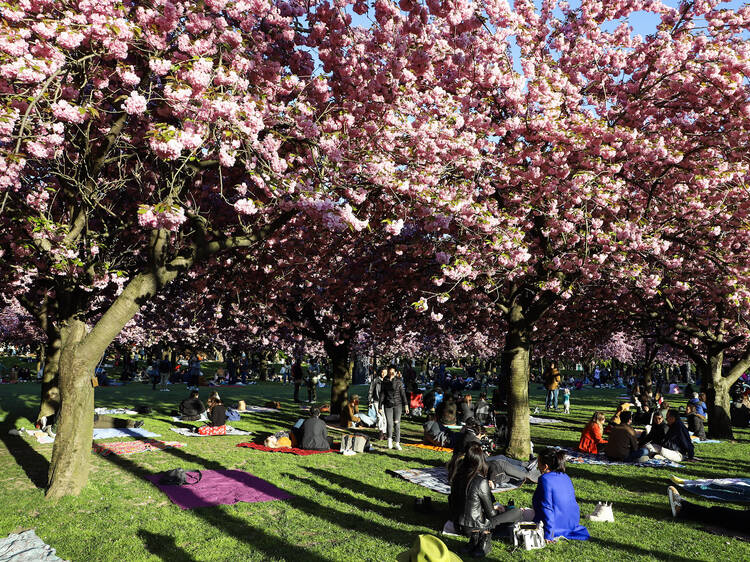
x,y
344,508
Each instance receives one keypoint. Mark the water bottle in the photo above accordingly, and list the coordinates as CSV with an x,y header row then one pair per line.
x,y
511,504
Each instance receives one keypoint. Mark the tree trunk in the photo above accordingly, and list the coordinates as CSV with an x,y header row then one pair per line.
x,y
342,375
719,401
516,354
50,399
69,467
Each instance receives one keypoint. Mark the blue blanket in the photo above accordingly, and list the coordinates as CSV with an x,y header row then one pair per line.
x,y
109,432
736,490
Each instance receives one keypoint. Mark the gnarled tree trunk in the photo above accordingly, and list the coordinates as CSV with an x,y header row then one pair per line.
x,y
717,394
516,355
69,467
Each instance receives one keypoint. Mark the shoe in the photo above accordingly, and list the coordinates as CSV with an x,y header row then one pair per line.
x,y
397,446
473,542
644,458
659,458
138,423
484,546
390,443
603,513
675,501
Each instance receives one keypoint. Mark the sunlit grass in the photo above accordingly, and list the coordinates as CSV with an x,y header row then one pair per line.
x,y
345,508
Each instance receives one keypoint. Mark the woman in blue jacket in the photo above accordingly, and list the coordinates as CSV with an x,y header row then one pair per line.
x,y
554,500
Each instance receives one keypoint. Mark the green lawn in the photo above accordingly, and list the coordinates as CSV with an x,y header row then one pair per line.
x,y
345,508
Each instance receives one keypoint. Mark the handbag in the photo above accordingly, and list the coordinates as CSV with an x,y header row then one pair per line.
x,y
178,477
528,535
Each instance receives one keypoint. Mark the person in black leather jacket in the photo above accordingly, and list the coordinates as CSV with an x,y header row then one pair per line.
x,y
471,503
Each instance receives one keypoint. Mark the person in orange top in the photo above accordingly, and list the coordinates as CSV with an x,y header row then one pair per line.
x,y
591,436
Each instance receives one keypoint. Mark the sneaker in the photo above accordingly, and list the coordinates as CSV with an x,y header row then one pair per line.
x,y
675,501
603,513
397,446
390,443
659,458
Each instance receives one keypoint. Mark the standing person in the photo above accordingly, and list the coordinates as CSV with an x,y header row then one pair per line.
x,y
297,377
394,402
566,400
552,384
194,372
231,367
466,408
313,376
165,366
375,402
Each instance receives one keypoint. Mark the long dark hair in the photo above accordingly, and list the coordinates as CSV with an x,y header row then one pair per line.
x,y
473,464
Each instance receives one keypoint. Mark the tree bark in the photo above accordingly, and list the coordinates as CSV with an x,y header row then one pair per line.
x,y
516,354
717,394
69,467
50,400
342,375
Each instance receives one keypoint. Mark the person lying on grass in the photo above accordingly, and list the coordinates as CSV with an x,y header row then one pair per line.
x,y
736,520
437,434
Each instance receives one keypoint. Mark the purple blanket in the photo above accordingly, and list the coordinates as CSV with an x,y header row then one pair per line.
x,y
221,487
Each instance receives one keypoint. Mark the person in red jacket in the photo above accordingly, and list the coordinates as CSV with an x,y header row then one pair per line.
x,y
592,435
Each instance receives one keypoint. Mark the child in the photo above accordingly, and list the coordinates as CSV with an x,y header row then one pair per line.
x,y
566,400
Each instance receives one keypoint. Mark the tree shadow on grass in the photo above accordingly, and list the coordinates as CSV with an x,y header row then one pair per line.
x,y
422,461
225,522
164,547
640,552
34,464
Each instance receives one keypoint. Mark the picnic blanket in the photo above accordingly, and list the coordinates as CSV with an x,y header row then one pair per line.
x,y
220,487
436,479
40,436
698,441
130,447
536,421
577,457
109,432
257,410
114,411
430,447
188,432
203,417
736,490
292,450
26,547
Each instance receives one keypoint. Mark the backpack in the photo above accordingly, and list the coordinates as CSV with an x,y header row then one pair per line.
x,y
233,415
178,477
355,442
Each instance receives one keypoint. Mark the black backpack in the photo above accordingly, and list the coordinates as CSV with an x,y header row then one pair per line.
x,y
178,477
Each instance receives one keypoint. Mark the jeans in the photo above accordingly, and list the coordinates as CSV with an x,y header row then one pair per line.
x,y
498,467
164,379
637,454
393,423
551,396
296,390
366,420
312,392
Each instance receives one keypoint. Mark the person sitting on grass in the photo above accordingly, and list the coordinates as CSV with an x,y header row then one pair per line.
x,y
315,433
217,415
677,444
736,520
623,442
592,440
350,412
654,433
191,408
437,434
471,503
482,409
695,422
554,500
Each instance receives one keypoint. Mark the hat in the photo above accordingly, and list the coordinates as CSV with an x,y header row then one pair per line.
x,y
427,548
